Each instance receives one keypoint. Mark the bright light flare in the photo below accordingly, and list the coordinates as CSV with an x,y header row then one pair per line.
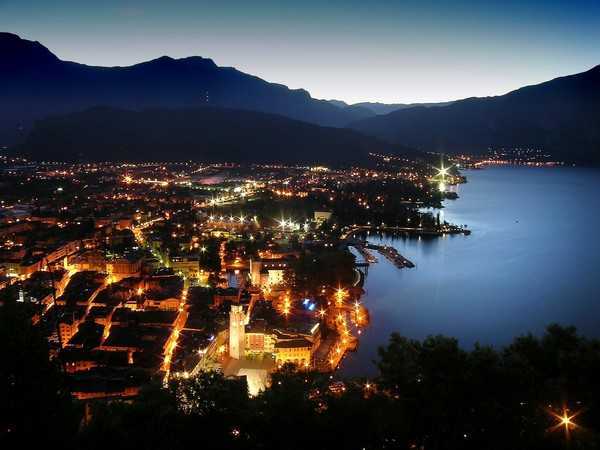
x,y
443,171
565,421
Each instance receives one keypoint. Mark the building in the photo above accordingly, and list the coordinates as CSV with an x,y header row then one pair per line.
x,y
125,267
259,338
89,260
188,267
293,340
297,351
62,251
69,322
322,216
268,271
237,329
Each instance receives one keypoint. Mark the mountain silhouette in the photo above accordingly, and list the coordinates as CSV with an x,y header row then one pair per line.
x,y
369,109
34,83
201,134
561,116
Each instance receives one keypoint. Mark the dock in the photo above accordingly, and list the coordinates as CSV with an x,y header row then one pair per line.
x,y
392,255
362,249
417,231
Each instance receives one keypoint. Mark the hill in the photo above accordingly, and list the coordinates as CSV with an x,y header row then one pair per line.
x,y
34,83
561,116
200,134
370,109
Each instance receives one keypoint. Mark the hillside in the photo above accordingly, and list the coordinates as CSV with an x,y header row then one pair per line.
x,y
561,116
200,134
34,83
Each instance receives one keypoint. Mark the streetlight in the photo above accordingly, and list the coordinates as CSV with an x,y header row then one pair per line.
x,y
565,421
340,294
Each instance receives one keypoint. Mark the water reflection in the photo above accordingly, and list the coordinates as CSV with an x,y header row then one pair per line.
x,y
530,261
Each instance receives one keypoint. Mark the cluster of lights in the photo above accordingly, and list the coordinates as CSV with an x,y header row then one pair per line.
x,y
286,306
290,225
241,219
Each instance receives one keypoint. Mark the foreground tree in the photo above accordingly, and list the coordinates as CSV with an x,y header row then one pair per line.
x,y
35,405
496,400
538,393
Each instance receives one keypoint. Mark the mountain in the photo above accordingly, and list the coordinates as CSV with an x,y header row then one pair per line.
x,y
370,109
200,134
561,116
385,108
35,83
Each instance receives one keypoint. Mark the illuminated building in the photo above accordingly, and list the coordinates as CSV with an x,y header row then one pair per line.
x,y
237,341
164,304
268,271
291,340
186,266
120,268
89,260
259,338
322,216
297,351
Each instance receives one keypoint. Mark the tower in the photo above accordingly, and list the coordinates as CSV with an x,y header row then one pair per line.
x,y
237,332
255,267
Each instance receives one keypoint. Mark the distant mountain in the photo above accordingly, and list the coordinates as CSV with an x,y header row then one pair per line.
x,y
369,109
201,134
561,116
339,103
384,108
35,83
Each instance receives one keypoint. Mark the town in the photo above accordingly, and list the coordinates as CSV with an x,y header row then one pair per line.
x,y
138,272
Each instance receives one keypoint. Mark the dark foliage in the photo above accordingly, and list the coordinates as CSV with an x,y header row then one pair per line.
x,y
35,405
430,394
311,271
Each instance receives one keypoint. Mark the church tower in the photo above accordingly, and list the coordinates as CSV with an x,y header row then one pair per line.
x,y
237,332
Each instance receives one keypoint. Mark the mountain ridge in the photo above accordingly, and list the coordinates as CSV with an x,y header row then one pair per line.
x,y
378,108
561,116
200,134
35,83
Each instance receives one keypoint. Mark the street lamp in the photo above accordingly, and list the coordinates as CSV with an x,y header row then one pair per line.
x,y
565,421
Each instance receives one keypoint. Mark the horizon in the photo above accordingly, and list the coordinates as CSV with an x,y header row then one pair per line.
x,y
400,60
330,99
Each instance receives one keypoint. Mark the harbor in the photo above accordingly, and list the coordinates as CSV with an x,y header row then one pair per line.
x,y
392,255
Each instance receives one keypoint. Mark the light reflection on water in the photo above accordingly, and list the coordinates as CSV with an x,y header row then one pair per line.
x,y
532,259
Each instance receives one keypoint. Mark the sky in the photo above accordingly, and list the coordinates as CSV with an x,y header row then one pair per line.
x,y
368,50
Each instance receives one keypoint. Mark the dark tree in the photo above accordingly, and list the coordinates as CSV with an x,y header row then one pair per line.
x,y
35,404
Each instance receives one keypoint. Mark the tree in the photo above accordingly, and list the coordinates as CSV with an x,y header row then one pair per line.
x,y
495,400
310,271
35,403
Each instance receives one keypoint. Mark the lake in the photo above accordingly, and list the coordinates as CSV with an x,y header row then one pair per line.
x,y
533,258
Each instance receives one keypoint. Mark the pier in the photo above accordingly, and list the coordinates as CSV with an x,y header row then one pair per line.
x,y
441,231
392,255
362,249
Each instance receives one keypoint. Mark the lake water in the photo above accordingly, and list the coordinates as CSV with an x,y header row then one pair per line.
x,y
533,258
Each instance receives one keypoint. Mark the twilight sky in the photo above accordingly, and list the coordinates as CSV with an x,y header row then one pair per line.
x,y
363,50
